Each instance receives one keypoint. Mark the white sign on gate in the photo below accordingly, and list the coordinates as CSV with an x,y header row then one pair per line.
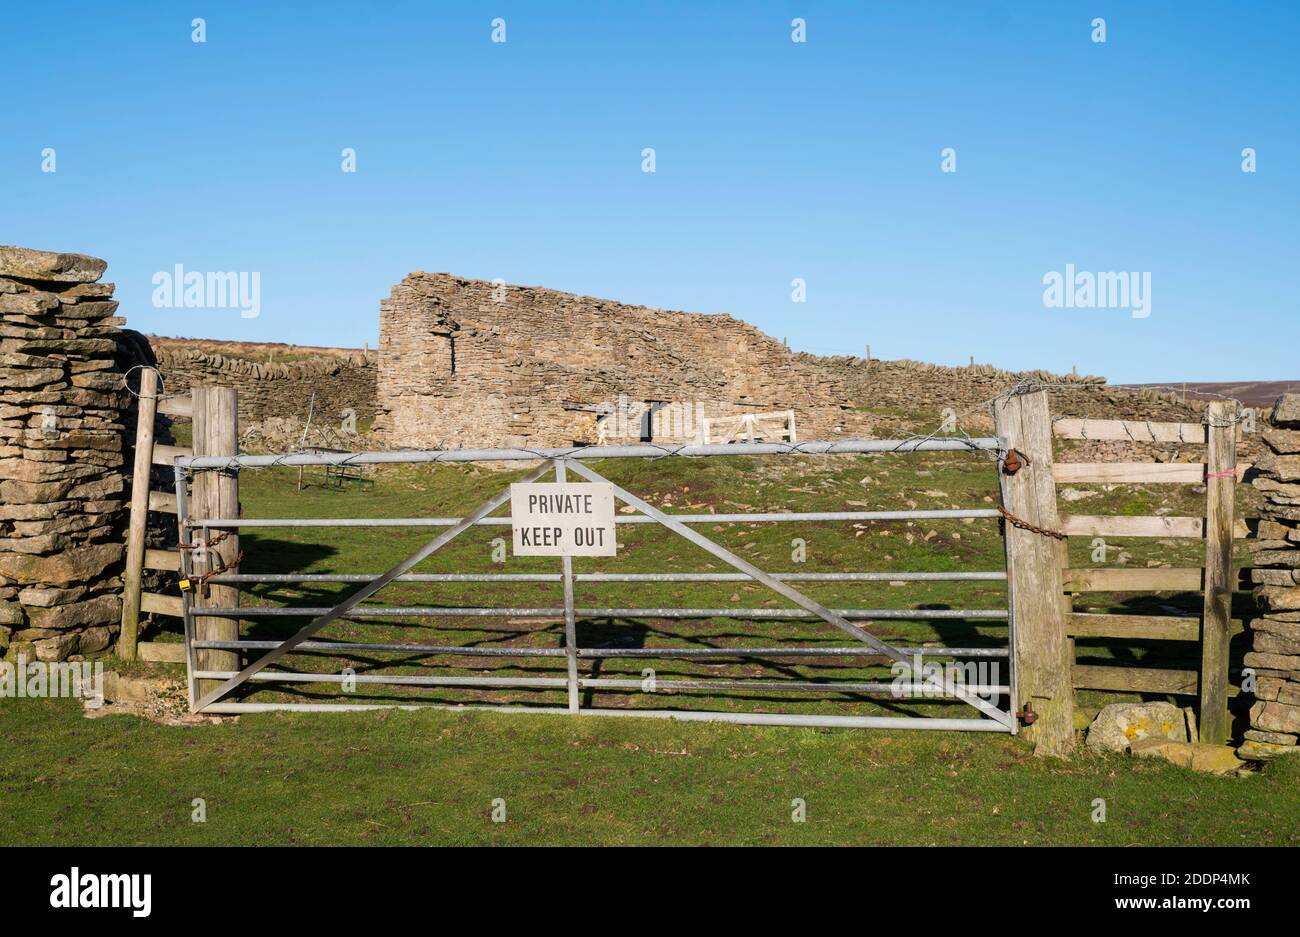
x,y
553,519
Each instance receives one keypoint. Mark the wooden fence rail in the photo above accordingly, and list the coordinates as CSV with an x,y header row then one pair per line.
x,y
1217,580
140,557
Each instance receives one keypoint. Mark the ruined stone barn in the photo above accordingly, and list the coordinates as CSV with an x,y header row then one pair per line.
x,y
472,363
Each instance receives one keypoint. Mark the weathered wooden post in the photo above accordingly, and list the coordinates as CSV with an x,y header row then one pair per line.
x,y
216,495
146,410
1220,482
1035,579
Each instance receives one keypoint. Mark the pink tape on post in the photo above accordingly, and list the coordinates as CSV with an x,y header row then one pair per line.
x,y
1224,474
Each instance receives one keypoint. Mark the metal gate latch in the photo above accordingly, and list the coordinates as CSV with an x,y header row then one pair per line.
x,y
1014,462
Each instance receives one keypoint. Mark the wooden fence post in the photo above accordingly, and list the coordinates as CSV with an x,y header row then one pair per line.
x,y
1221,479
216,494
1039,647
146,409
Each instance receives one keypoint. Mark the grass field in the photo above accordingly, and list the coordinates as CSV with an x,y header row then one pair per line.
x,y
432,776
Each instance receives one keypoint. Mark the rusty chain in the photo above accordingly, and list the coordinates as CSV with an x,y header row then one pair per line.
x,y
199,581
1013,462
203,544
1025,525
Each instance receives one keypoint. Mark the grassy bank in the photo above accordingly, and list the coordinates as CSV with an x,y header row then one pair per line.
x,y
431,777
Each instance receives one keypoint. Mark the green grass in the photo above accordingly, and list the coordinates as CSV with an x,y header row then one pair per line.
x,y
430,777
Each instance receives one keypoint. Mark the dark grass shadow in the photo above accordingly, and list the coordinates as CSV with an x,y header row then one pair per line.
x,y
273,556
1168,653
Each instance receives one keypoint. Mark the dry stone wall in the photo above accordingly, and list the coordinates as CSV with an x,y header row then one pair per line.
x,y
62,455
268,388
1275,654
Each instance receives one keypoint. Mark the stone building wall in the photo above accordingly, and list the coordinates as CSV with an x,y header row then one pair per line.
x,y
269,388
1275,637
473,363
468,363
63,411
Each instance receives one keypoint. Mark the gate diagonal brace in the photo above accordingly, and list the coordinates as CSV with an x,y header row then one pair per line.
x,y
790,593
367,591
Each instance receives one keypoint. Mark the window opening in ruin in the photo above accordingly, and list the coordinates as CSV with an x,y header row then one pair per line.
x,y
451,344
648,418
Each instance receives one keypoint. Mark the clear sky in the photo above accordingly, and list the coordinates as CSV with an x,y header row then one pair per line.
x,y
774,160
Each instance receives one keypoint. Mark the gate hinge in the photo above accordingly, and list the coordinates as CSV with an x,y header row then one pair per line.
x,y
1027,716
1014,462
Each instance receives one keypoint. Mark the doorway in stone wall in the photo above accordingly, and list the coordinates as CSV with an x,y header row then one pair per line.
x,y
650,408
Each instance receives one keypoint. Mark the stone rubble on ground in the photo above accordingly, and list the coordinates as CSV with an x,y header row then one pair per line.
x,y
62,469
1275,635
156,697
1211,759
1119,725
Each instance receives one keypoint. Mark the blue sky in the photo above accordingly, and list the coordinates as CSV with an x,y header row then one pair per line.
x,y
774,160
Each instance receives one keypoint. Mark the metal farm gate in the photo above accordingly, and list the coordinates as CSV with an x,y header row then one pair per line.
x,y
213,690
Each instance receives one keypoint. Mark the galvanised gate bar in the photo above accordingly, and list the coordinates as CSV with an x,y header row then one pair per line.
x,y
864,645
